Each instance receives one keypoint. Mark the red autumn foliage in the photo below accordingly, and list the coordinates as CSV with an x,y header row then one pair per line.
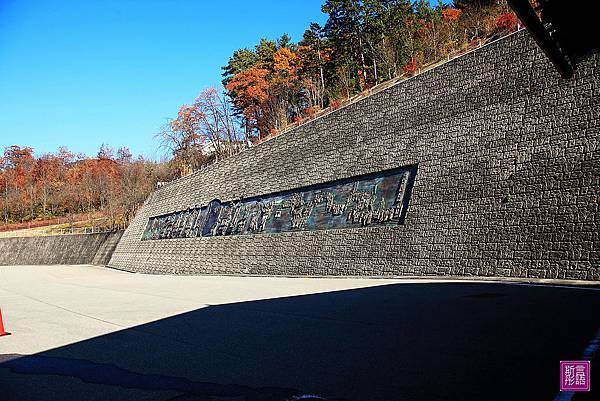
x,y
309,111
249,87
410,67
451,14
507,21
34,189
335,104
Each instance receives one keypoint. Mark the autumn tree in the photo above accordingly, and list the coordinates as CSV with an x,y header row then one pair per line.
x,y
63,184
135,182
314,54
249,91
180,137
4,186
284,101
202,131
479,17
19,192
218,130
47,177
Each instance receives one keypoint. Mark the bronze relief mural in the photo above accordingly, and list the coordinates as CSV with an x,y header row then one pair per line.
x,y
362,201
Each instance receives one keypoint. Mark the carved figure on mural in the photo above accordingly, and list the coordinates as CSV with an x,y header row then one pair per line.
x,y
356,202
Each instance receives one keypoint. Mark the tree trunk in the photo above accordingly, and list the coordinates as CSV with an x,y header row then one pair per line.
x,y
375,69
362,59
322,103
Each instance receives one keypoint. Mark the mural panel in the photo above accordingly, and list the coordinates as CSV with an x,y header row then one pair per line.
x,y
369,200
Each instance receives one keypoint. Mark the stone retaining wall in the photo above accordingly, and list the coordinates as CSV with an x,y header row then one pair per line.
x,y
507,182
59,249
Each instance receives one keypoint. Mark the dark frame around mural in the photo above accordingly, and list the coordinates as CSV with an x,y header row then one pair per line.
x,y
377,199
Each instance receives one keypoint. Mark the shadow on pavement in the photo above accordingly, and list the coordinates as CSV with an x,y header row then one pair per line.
x,y
452,341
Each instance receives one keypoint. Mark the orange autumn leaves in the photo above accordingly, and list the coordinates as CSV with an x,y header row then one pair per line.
x,y
262,91
62,183
286,62
250,88
451,14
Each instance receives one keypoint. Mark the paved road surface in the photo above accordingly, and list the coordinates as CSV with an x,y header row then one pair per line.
x,y
88,333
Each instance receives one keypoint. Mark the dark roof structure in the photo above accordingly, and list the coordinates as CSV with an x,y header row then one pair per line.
x,y
564,30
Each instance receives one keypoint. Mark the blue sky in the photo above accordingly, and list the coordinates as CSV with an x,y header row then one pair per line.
x,y
83,73
80,73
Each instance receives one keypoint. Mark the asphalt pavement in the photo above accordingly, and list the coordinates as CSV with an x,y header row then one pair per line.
x,y
90,333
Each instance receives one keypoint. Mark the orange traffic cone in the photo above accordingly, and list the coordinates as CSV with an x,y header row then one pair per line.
x,y
2,332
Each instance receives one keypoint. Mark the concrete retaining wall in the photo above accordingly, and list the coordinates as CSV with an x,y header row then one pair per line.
x,y
60,249
508,180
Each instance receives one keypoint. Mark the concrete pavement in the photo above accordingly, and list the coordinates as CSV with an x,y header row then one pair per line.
x,y
50,306
84,332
